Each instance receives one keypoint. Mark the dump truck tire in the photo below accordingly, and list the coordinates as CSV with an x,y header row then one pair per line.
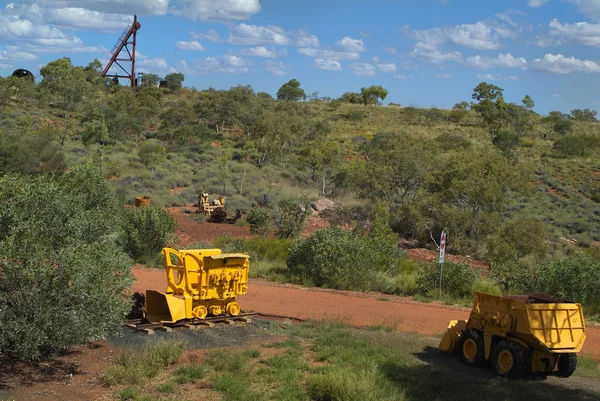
x,y
470,348
567,363
510,359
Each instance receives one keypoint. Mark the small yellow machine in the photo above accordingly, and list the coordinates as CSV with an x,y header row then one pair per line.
x,y
200,282
533,333
215,209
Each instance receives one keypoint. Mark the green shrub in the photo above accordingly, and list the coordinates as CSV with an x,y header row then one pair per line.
x,y
507,141
576,145
30,154
457,115
487,286
260,222
351,260
335,258
259,248
290,215
148,230
575,279
355,116
457,280
62,267
453,141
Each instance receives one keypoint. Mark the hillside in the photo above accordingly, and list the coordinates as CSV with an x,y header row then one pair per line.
x,y
251,148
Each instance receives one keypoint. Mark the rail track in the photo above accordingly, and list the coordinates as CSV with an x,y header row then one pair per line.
x,y
142,325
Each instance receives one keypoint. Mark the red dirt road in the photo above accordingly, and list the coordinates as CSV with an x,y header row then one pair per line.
x,y
357,309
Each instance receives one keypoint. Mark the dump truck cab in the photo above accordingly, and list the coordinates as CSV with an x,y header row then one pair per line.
x,y
521,334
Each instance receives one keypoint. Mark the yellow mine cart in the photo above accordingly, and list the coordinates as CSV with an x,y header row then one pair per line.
x,y
519,335
200,282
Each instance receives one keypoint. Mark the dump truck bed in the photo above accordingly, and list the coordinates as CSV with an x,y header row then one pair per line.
x,y
536,320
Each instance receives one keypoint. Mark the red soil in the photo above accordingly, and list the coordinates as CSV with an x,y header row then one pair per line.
x,y
358,309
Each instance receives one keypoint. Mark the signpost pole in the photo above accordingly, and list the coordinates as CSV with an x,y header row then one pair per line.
x,y
442,254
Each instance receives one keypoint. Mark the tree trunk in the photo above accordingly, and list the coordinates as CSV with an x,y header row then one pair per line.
x,y
243,178
62,142
102,159
323,182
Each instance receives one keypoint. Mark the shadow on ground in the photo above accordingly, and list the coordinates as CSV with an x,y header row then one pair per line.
x,y
441,377
36,372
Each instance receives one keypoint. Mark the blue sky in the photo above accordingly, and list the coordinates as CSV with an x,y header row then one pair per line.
x,y
426,53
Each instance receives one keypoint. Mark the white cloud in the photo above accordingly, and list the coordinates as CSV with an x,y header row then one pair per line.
x,y
87,20
496,77
244,34
128,7
579,33
481,35
536,3
154,64
16,56
5,66
403,77
330,65
387,67
261,51
591,8
436,56
211,36
305,39
225,64
443,76
389,49
23,26
328,54
140,56
556,95
277,67
501,61
215,10
559,64
192,46
351,45
183,67
363,69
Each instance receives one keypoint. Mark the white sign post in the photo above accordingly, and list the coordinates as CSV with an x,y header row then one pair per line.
x,y
441,259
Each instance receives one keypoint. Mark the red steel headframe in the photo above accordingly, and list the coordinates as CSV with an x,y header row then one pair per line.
x,y
128,37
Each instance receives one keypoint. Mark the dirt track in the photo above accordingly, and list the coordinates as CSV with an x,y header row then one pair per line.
x,y
354,308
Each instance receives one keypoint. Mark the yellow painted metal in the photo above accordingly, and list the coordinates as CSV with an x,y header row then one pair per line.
x,y
469,349
505,361
546,329
199,282
207,206
550,327
450,340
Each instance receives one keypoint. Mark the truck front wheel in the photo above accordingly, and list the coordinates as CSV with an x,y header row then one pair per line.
x,y
470,348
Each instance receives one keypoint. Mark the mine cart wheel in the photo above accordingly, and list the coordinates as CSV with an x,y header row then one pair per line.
x,y
567,363
470,348
233,309
510,359
200,312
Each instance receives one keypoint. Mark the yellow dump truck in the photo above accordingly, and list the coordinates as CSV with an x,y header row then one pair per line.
x,y
519,335
200,282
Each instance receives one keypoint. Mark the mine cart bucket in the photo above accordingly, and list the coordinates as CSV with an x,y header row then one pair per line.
x,y
164,308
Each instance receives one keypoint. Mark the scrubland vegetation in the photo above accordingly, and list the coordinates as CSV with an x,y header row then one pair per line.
x,y
515,189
